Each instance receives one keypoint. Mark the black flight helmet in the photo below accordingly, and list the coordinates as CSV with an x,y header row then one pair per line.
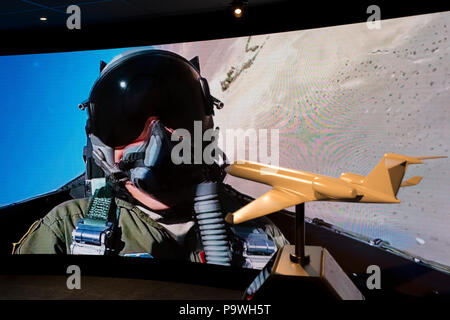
x,y
138,85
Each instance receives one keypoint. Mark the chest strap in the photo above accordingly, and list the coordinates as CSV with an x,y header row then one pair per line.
x,y
93,234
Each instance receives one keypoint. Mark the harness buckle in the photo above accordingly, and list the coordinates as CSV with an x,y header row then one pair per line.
x,y
90,237
257,247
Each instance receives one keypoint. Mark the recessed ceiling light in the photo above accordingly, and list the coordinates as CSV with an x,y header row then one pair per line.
x,y
238,7
43,18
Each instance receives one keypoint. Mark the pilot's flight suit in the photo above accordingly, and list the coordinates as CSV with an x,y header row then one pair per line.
x,y
139,233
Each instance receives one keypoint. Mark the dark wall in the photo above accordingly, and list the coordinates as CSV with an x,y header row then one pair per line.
x,y
283,16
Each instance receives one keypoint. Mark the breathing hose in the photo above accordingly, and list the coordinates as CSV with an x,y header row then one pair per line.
x,y
214,232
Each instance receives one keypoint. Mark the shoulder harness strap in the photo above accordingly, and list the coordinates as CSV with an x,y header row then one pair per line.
x,y
93,234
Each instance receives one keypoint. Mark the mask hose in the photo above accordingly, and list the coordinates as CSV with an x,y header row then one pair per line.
x,y
214,232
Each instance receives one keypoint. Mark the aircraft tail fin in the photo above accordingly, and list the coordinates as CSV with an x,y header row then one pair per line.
x,y
388,174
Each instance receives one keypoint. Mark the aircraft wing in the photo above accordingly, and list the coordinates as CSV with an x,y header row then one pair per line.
x,y
270,202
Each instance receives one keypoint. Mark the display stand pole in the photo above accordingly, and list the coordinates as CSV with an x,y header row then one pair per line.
x,y
299,256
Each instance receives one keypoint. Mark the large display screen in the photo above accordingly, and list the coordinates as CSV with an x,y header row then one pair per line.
x,y
326,101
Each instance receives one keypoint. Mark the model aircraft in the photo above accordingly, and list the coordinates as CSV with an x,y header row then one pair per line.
x,y
293,187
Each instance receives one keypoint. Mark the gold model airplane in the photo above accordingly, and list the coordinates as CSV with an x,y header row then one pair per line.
x,y
292,187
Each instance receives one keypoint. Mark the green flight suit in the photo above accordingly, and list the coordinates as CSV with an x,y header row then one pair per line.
x,y
138,232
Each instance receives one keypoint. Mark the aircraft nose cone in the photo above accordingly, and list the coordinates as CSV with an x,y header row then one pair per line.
x,y
229,218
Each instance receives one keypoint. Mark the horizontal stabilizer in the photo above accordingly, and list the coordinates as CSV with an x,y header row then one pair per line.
x,y
431,157
411,182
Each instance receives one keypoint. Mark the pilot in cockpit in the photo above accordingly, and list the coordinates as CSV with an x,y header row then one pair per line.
x,y
148,197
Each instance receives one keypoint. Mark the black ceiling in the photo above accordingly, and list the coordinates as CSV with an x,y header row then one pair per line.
x,y
25,14
126,23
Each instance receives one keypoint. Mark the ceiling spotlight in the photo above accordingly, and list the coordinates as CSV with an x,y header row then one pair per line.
x,y
43,18
238,7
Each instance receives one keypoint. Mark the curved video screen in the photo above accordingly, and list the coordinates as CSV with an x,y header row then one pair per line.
x,y
306,106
